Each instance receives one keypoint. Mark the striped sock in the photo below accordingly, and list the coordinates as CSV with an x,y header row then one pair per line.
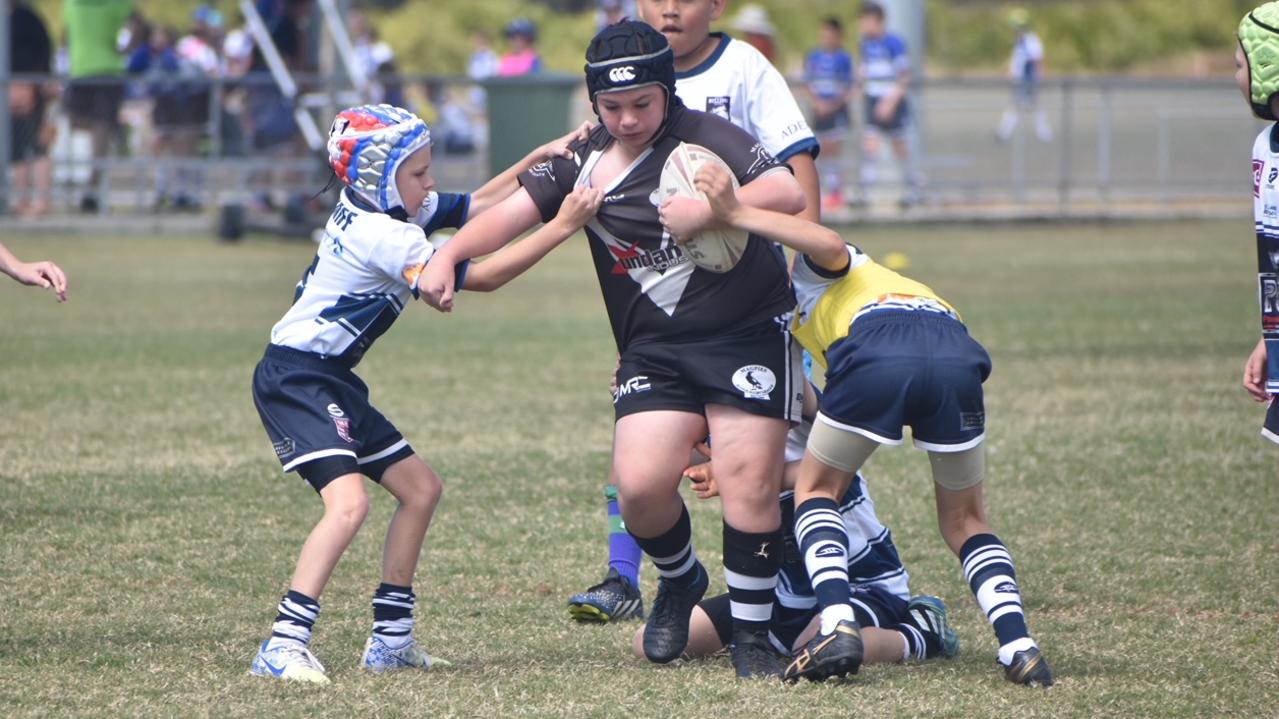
x,y
294,619
751,563
393,614
988,569
918,647
823,541
672,551
623,552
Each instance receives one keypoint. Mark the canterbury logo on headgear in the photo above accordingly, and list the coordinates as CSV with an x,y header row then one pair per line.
x,y
622,74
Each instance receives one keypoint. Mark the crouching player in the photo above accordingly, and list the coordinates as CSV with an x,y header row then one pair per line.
x,y
895,354
895,626
317,411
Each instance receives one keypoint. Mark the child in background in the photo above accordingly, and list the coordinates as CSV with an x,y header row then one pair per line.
x,y
1258,77
829,81
316,411
885,75
522,57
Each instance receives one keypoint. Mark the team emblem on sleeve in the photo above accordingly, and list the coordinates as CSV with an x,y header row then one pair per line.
x,y
755,381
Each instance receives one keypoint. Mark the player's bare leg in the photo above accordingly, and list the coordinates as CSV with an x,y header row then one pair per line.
x,y
987,563
417,489
650,451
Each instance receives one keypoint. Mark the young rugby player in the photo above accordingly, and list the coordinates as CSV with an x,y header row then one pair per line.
x,y
885,73
895,626
36,274
729,78
895,354
687,337
1258,77
316,410
831,85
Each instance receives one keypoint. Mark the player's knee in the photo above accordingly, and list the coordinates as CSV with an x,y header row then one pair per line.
x,y
424,492
348,510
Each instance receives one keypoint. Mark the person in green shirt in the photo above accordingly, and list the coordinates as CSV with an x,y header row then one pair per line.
x,y
97,75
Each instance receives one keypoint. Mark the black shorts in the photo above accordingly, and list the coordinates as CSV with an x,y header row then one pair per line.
x,y
913,368
895,124
872,606
318,417
758,370
837,121
24,135
95,100
1270,430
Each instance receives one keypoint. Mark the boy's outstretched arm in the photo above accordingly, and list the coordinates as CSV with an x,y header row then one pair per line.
x,y
513,260
37,274
501,187
486,233
824,246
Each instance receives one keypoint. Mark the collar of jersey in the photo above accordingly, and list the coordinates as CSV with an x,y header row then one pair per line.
x,y
360,203
706,64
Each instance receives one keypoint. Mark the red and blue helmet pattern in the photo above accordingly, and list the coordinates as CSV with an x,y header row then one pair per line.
x,y
367,144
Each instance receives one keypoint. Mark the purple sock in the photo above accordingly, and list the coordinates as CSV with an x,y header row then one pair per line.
x,y
623,551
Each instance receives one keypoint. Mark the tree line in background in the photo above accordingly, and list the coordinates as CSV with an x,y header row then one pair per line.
x,y
1088,36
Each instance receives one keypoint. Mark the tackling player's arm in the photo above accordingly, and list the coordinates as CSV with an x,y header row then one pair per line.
x,y
805,169
485,234
685,217
824,246
501,187
514,259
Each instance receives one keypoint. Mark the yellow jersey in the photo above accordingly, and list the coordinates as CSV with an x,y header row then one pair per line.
x,y
827,303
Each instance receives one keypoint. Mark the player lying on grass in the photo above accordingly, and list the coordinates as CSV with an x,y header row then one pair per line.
x,y
895,354
1257,76
683,333
316,411
37,274
895,626
729,78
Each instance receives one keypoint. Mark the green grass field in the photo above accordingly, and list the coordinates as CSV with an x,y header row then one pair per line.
x,y
147,531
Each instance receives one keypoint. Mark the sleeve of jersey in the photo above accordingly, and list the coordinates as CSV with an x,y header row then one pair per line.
x,y
901,56
747,157
401,252
775,114
441,210
548,183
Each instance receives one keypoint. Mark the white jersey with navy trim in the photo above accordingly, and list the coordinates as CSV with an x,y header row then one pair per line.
x,y
1265,198
363,275
884,58
740,85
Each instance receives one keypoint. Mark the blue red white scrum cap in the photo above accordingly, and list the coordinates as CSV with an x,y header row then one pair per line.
x,y
1259,38
366,146
627,55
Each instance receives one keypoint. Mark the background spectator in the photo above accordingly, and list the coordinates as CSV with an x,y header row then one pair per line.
x,y
753,25
610,12
830,84
97,77
1024,67
521,57
30,51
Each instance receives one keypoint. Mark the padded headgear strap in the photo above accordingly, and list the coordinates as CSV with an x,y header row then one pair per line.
x,y
1259,37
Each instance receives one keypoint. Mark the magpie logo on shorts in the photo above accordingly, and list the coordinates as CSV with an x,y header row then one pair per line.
x,y
638,383
755,381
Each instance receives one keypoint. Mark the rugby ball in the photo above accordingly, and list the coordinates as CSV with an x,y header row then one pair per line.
x,y
716,250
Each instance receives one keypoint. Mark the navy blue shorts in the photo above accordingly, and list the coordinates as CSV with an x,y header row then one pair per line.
x,y
899,368
758,370
872,606
1270,430
838,120
318,416
895,124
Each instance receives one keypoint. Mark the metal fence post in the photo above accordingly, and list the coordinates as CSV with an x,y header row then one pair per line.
x,y
1105,132
5,119
1067,136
